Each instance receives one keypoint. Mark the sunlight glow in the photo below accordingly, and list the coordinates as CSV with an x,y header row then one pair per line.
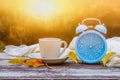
x,y
41,7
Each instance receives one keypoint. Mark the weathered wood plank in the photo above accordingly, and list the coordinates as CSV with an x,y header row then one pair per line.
x,y
68,70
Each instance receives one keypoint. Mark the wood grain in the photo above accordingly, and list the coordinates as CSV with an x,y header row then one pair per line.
x,y
68,70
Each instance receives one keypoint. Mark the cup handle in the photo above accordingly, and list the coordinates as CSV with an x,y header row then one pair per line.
x,y
65,46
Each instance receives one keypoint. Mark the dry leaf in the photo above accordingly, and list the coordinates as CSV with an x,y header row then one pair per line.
x,y
73,57
19,60
49,67
38,64
34,63
107,57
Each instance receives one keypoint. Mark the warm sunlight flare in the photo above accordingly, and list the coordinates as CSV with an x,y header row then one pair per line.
x,y
41,7
25,21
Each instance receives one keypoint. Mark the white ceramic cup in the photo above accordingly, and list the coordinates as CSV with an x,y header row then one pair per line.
x,y
50,47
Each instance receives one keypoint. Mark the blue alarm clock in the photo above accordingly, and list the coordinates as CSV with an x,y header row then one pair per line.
x,y
91,45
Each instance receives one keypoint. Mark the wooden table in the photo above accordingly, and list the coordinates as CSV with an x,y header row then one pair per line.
x,y
68,70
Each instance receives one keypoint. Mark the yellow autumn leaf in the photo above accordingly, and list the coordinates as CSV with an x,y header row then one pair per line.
x,y
107,57
73,56
34,63
19,60
38,64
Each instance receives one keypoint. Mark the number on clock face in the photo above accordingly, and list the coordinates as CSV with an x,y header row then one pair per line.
x,y
91,45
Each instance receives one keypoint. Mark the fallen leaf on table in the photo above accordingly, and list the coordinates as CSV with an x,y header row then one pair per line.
x,y
73,56
49,67
34,63
19,60
107,57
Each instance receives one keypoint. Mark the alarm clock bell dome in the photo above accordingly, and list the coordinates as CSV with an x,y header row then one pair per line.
x,y
81,28
101,28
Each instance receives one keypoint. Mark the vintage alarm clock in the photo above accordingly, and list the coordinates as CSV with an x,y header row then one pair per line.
x,y
91,45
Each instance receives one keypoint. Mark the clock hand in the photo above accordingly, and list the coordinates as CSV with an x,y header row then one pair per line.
x,y
90,45
95,45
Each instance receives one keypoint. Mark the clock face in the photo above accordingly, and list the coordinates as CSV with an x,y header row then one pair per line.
x,y
91,46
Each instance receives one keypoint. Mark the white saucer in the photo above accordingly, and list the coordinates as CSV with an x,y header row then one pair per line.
x,y
54,60
59,60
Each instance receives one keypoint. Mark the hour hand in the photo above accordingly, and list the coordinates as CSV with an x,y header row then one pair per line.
x,y
91,46
94,45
